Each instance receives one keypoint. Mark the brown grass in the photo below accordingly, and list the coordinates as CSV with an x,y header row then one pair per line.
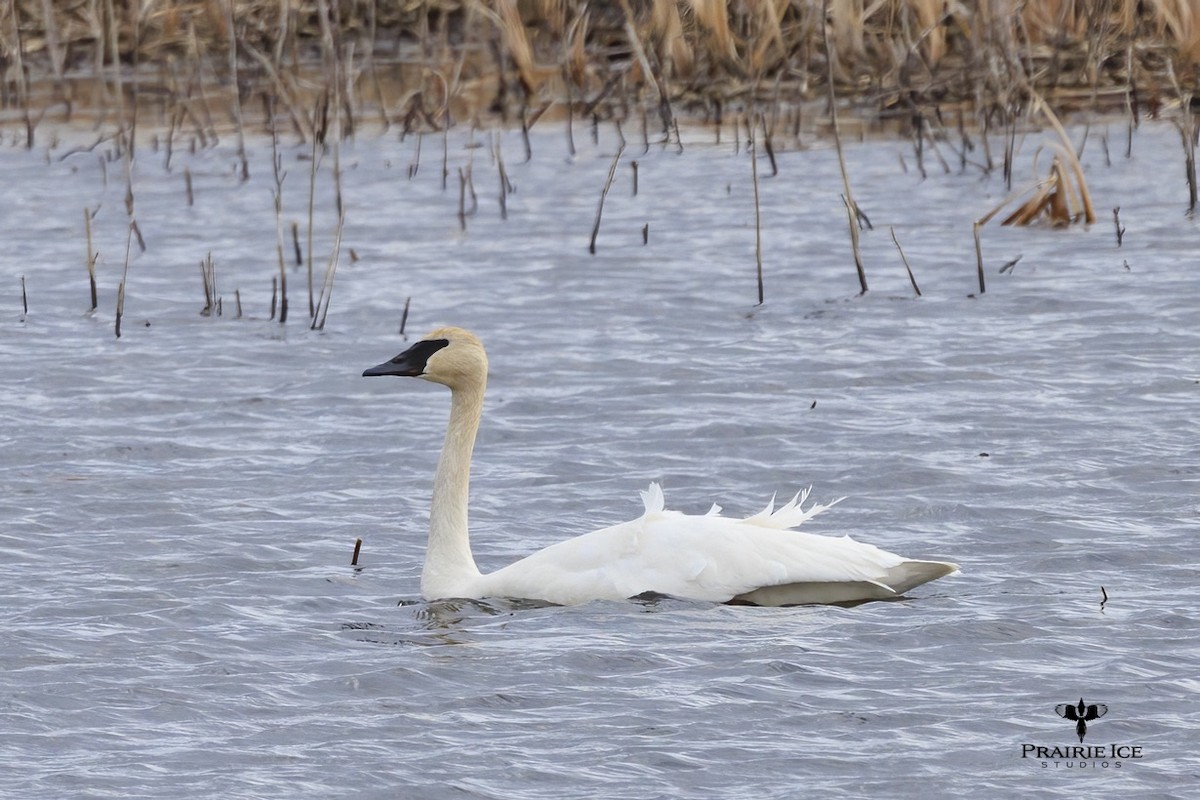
x,y
425,64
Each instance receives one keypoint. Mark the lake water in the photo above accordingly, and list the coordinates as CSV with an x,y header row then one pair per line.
x,y
179,615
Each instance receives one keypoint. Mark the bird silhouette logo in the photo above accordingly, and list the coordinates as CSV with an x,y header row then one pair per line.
x,y
1081,714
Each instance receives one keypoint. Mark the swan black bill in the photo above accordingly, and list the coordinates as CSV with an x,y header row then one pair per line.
x,y
410,363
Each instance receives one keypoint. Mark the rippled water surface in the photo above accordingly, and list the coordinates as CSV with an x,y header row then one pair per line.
x,y
179,614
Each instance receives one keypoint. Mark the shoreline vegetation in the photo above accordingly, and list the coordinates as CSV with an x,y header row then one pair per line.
x,y
961,80
926,67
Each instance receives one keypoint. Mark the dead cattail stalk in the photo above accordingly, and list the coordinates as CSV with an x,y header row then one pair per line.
x,y
907,268
462,200
237,100
357,549
1072,160
187,185
612,171
415,165
505,186
314,163
208,274
278,175
404,314
318,320
1117,225
634,165
758,266
979,255
847,198
120,308
1187,134
769,147
91,257
24,300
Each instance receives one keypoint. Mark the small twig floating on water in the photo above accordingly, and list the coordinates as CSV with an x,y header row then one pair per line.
x,y
1009,265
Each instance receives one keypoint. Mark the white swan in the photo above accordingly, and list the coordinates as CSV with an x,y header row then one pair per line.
x,y
713,558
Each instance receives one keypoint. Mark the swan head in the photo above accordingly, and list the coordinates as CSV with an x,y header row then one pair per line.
x,y
453,357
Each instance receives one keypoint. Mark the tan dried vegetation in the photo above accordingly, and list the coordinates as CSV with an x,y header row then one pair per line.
x,y
406,59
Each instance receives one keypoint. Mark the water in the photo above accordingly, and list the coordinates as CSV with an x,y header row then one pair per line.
x,y
180,505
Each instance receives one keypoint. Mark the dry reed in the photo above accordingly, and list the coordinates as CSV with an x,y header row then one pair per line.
x,y
424,64
612,171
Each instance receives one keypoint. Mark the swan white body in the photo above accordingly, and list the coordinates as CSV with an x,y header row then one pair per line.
x,y
758,560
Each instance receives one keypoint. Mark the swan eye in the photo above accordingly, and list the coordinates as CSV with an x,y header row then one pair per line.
x,y
411,363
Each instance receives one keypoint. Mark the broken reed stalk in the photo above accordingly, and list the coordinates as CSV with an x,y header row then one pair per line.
x,y
907,268
852,212
612,171
24,300
757,212
404,314
91,257
318,321
208,274
357,550
505,186
278,175
1187,132
313,166
124,278
1117,225
237,99
462,200
1069,155
979,256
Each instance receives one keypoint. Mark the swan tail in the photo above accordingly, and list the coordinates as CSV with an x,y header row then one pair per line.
x,y
791,513
653,499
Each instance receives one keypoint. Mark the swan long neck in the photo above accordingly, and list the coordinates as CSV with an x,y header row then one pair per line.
x,y
448,560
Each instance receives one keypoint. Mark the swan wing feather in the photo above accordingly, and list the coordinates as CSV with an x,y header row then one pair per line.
x,y
707,557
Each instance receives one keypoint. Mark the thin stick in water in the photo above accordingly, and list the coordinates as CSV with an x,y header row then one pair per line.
x,y
847,197
757,213
91,256
404,315
357,549
612,170
979,256
911,278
